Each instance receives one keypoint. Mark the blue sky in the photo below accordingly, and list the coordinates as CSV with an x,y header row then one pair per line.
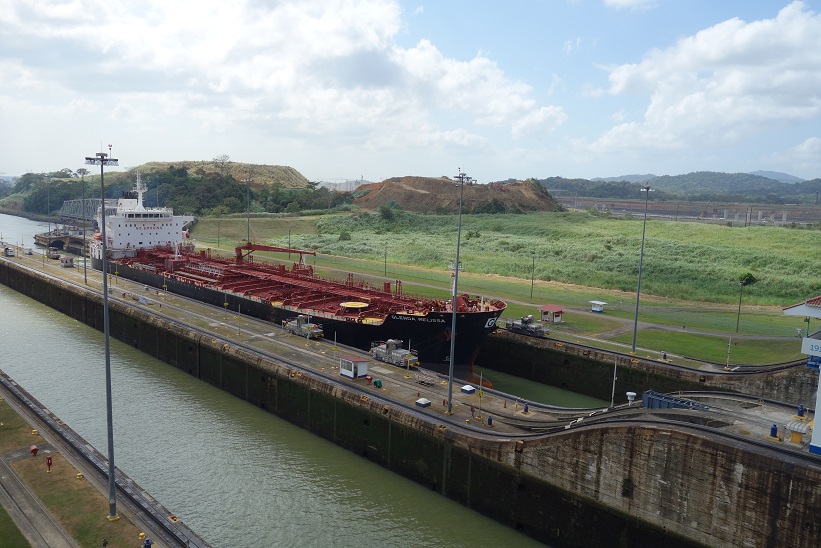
x,y
383,88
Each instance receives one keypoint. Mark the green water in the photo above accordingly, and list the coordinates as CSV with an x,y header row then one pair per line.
x,y
527,390
235,474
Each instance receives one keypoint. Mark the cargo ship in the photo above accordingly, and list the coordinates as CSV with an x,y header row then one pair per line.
x,y
150,246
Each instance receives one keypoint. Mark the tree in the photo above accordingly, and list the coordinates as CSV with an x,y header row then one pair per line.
x,y
222,162
746,279
386,212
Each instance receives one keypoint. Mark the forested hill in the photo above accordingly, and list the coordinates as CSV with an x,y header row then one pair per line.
x,y
696,186
212,187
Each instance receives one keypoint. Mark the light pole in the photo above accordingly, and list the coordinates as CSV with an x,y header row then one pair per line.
x,y
532,273
647,190
462,178
218,234
101,159
386,260
615,367
85,227
248,180
738,316
48,212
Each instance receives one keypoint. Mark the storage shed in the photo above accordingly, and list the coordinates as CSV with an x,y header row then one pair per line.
x,y
353,367
551,313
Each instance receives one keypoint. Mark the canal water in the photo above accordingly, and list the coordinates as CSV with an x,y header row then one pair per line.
x,y
237,475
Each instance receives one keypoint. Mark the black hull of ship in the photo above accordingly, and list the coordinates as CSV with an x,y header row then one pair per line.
x,y
428,335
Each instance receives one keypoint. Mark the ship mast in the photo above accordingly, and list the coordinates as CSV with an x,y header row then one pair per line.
x,y
140,190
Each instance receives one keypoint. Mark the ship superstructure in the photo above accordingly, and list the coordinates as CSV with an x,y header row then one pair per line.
x,y
131,226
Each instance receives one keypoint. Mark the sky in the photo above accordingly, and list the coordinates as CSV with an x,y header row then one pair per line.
x,y
350,89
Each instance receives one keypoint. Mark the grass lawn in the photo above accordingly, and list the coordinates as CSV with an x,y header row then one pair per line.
x,y
690,277
79,506
714,349
10,535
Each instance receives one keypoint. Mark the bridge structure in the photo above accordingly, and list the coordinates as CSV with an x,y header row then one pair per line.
x,y
77,217
82,211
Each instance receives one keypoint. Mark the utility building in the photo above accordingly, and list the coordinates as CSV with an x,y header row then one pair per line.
x,y
810,345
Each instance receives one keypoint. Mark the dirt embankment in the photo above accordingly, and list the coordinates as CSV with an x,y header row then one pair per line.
x,y
441,195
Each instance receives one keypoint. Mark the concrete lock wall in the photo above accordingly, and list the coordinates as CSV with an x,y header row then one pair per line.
x,y
623,486
590,372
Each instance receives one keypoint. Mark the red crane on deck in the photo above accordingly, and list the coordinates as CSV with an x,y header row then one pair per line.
x,y
259,247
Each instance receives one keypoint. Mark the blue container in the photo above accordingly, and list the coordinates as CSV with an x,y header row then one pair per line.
x,y
774,431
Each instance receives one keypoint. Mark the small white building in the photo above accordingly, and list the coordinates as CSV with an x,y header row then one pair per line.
x,y
552,313
810,345
597,306
353,367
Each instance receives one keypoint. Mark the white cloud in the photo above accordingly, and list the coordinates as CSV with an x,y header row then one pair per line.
x,y
631,4
805,156
313,67
619,116
570,46
717,86
540,121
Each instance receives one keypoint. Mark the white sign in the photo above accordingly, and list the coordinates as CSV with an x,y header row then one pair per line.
x,y
811,347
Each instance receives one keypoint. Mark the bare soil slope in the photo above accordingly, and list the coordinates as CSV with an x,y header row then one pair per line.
x,y
441,195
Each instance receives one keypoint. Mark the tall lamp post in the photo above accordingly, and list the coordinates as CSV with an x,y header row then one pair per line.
x,y
102,159
48,208
83,172
248,180
647,190
462,178
532,273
